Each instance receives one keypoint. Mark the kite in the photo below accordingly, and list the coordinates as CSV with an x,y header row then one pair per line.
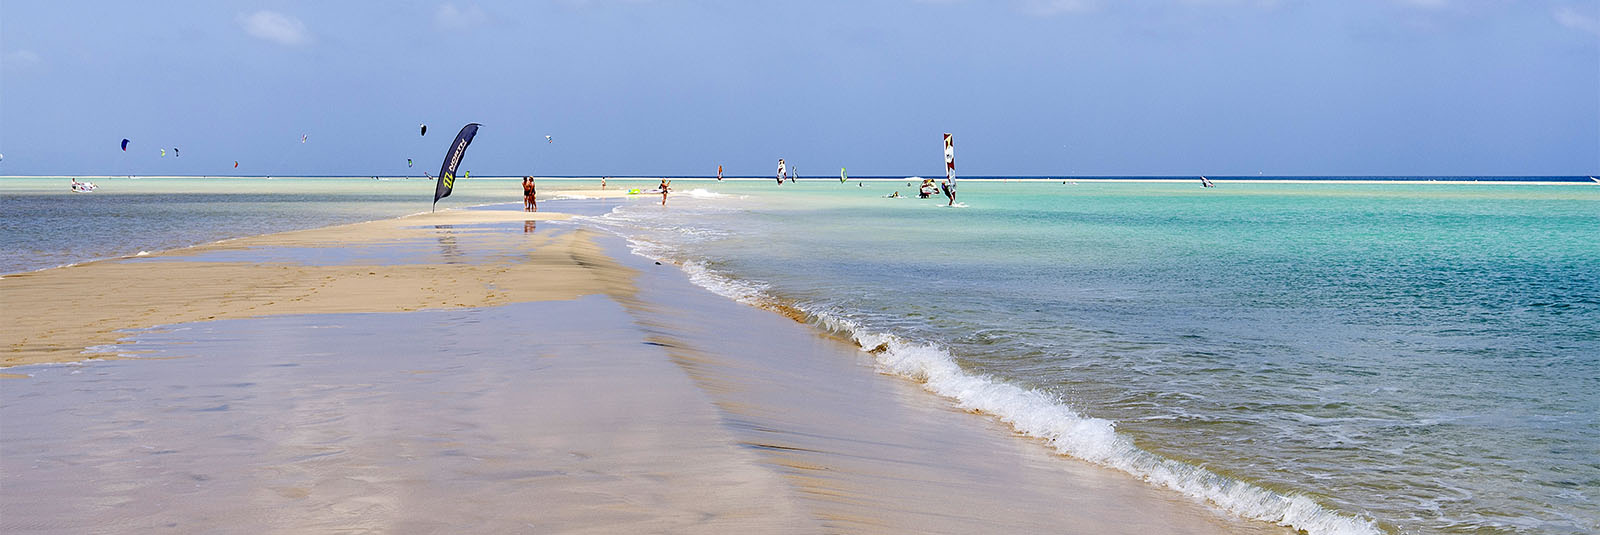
x,y
124,144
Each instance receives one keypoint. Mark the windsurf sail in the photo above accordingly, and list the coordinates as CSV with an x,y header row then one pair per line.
x,y
949,185
949,159
452,160
719,172
842,177
124,144
783,171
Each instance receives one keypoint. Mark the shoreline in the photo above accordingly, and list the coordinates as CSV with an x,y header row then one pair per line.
x,y
40,303
834,471
983,180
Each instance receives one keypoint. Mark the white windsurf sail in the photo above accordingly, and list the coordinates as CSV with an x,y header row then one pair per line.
x,y
949,160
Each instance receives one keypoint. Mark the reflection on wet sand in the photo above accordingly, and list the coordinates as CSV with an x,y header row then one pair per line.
x,y
546,382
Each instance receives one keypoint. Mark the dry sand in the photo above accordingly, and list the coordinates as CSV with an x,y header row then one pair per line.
x,y
54,315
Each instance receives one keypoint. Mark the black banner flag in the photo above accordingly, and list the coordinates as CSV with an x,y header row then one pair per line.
x,y
452,159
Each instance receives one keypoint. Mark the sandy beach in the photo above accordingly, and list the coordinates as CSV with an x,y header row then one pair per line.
x,y
490,370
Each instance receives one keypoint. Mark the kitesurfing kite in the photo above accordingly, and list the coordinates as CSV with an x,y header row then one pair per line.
x,y
408,162
124,144
302,138
2,157
424,130
163,153
236,164
175,153
548,140
452,160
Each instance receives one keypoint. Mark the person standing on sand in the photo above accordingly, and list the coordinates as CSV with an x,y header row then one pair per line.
x,y
666,185
602,182
529,203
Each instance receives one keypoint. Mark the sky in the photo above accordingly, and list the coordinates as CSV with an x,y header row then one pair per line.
x,y
664,87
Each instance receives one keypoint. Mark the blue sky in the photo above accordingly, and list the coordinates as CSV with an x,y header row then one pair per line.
x,y
1030,87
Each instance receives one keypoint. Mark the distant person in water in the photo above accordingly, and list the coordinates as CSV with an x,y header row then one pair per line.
x,y
949,187
529,202
602,182
666,186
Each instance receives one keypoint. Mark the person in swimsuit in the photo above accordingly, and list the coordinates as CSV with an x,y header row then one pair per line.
x,y
666,186
529,204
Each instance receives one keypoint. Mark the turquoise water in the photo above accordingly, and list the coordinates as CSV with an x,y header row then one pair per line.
x,y
1343,358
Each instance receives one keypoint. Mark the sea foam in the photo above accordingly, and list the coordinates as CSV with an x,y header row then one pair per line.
x,y
1029,411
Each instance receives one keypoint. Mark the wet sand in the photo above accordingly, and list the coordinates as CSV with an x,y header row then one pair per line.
x,y
502,377
53,315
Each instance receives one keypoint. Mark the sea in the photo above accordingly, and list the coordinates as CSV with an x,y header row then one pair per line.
x,y
1378,357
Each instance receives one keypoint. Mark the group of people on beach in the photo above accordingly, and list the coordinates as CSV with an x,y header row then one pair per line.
x,y
530,201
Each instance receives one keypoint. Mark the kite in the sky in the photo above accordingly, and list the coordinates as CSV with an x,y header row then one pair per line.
x,y
163,153
408,162
175,152
236,164
124,144
548,140
302,138
424,130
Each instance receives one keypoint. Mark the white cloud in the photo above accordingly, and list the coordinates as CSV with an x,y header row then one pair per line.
x,y
276,27
1570,17
1055,7
450,17
21,58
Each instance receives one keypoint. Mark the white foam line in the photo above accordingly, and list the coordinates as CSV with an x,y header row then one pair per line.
x,y
1036,413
